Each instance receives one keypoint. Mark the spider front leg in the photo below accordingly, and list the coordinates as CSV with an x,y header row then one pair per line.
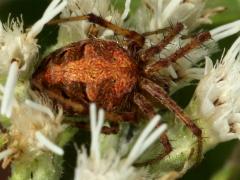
x,y
132,35
158,93
147,109
112,118
181,52
150,52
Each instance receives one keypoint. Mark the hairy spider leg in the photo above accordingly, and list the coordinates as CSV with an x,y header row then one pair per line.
x,y
144,105
146,108
113,129
133,35
158,93
112,118
181,52
145,55
157,31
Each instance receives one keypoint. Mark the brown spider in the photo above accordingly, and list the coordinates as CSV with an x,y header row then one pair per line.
x,y
116,78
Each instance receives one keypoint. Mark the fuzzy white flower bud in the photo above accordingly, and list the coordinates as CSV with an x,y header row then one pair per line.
x,y
18,48
79,30
162,13
26,121
218,95
33,130
14,45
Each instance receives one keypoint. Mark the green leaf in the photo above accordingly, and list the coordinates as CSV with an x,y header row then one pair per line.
x,y
231,13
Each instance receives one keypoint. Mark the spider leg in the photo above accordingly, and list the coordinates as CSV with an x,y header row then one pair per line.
x,y
133,35
93,31
158,93
67,103
158,31
150,52
161,81
146,107
112,129
121,117
167,149
112,118
181,52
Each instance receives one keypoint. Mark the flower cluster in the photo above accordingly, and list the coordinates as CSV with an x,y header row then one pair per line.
x,y
76,31
30,129
217,95
109,164
160,14
33,127
18,48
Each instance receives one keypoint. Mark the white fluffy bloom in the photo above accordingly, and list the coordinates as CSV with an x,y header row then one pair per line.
x,y
218,95
110,165
162,13
18,48
75,31
33,130
30,118
16,51
19,44
159,14
188,69
14,45
33,127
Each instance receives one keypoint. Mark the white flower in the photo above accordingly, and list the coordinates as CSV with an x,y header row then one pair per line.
x,y
79,30
30,119
18,48
217,95
13,44
33,130
159,14
17,44
188,69
110,165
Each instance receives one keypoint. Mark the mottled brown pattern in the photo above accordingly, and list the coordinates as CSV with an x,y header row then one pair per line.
x,y
102,64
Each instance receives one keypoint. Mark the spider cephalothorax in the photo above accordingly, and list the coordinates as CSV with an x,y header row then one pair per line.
x,y
111,75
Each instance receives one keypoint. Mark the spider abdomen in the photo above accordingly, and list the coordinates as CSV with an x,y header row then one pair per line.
x,y
93,70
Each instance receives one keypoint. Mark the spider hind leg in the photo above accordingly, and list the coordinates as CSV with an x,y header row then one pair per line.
x,y
159,94
146,108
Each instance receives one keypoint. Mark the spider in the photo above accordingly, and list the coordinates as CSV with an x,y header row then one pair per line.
x,y
118,78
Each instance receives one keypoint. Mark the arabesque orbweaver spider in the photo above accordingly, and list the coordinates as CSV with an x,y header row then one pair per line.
x,y
116,77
